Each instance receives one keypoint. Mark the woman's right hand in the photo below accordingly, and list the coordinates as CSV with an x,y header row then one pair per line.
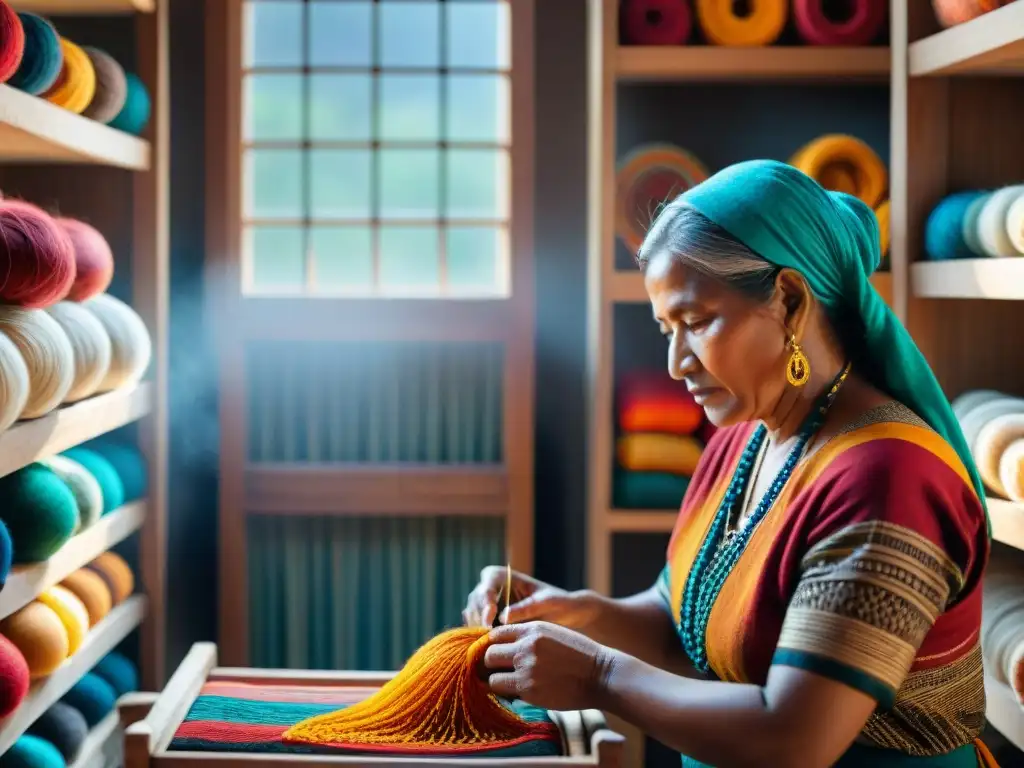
x,y
533,600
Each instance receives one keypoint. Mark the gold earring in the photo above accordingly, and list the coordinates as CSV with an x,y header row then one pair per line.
x,y
798,367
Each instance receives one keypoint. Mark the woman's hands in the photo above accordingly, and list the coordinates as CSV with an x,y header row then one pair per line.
x,y
533,600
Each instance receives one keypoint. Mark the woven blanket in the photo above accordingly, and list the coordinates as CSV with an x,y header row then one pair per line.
x,y
242,717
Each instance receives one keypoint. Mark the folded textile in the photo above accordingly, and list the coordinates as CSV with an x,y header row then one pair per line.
x,y
648,490
652,452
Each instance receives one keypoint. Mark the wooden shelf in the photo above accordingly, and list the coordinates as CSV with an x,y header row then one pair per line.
x,y
1004,712
642,520
101,745
992,44
29,441
708,63
969,279
84,7
102,639
1007,522
26,582
33,130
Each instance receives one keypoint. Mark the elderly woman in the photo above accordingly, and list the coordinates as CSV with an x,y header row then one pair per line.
x,y
820,603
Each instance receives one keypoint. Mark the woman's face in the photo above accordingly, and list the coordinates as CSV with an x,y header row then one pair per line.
x,y
728,349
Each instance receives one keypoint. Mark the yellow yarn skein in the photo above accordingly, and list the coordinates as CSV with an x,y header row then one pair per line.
x,y
844,164
72,613
761,26
76,84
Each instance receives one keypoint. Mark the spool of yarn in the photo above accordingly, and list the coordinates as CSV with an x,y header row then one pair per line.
x,y
37,257
111,86
953,12
1015,223
94,261
884,216
761,25
63,726
964,403
76,83
89,587
90,347
944,230
109,481
6,554
14,677
1011,471
131,348
860,26
14,383
970,230
40,635
93,697
83,486
31,751
119,671
128,462
12,42
844,164
39,510
117,574
993,439
72,613
975,419
992,233
134,115
48,356
42,60
656,22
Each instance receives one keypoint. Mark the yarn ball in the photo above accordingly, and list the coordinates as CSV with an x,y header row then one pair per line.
x,y
63,726
48,355
970,233
1015,223
40,512
90,347
37,258
131,347
93,697
118,575
993,235
105,473
72,613
111,87
944,229
14,677
952,12
40,635
43,58
31,751
83,485
12,42
14,383
118,670
76,83
6,555
129,463
134,115
92,590
94,261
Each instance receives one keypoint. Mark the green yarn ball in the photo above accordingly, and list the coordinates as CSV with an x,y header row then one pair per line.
x,y
85,487
105,474
63,726
39,510
134,115
119,671
32,752
129,463
93,696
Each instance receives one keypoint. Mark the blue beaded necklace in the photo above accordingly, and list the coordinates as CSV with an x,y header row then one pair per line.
x,y
716,558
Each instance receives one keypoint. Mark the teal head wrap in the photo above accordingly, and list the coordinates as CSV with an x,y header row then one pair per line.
x,y
832,239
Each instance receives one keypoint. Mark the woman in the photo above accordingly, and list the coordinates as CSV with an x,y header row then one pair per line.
x,y
821,600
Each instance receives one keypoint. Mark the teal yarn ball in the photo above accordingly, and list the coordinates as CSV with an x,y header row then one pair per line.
x,y
129,463
63,726
134,115
6,553
43,58
104,472
93,696
944,230
39,510
119,671
32,752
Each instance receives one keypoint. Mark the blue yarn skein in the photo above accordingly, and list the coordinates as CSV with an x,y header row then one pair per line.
x,y
6,553
43,59
32,752
135,113
943,232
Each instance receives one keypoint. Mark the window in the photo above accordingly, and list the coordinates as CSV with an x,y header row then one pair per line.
x,y
376,155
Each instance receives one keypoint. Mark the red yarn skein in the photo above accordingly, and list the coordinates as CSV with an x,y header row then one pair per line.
x,y
94,261
14,677
12,42
37,258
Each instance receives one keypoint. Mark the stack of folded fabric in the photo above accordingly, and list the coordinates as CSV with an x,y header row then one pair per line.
x,y
662,432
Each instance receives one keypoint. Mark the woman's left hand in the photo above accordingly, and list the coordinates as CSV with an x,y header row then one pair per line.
x,y
545,665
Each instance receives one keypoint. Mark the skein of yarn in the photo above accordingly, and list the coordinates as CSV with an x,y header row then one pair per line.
x,y
12,42
14,677
992,231
844,164
134,116
862,25
944,230
42,59
38,633
14,383
83,486
953,12
90,345
37,258
94,260
131,347
111,86
1015,223
76,84
48,355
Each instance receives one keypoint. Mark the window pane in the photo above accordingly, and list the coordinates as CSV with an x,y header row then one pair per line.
x,y
340,108
409,180
342,259
341,183
273,183
478,108
410,33
273,34
478,34
477,184
275,258
476,259
409,260
340,34
410,107
273,107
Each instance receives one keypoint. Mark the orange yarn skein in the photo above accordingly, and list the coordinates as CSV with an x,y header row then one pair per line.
x,y
437,702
